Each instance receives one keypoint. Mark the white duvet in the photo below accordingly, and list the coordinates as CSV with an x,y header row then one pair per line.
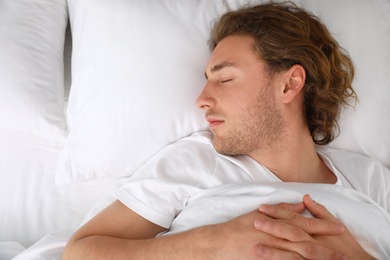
x,y
369,222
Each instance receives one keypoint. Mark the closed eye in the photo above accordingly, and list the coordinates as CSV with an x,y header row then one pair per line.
x,y
226,80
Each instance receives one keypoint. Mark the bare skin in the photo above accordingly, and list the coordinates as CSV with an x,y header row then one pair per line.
x,y
251,112
118,233
304,236
272,232
239,96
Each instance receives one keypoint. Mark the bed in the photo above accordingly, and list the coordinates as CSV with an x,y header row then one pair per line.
x,y
92,89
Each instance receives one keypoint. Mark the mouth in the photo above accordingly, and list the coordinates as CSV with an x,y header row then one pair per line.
x,y
214,122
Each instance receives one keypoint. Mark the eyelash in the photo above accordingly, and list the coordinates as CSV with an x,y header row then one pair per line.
x,y
226,80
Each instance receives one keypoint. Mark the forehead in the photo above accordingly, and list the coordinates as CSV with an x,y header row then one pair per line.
x,y
235,50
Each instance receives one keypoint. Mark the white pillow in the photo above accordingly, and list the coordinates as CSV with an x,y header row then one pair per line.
x,y
31,66
137,68
363,29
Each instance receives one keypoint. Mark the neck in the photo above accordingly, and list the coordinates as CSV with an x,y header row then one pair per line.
x,y
295,159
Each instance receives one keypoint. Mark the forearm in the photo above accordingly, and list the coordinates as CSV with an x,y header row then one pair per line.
x,y
199,243
98,247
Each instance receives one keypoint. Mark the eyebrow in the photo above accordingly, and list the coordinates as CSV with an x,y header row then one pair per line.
x,y
219,67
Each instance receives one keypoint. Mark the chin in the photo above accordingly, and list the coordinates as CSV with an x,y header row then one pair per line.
x,y
217,143
223,147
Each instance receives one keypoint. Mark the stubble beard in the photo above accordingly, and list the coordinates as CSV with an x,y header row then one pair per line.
x,y
260,129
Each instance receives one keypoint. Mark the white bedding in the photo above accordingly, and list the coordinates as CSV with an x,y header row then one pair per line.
x,y
50,247
31,205
32,125
369,222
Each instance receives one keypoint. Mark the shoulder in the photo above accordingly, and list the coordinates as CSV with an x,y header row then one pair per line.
x,y
346,160
197,147
193,153
363,173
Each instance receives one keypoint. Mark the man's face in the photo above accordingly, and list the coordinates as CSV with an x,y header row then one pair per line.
x,y
239,99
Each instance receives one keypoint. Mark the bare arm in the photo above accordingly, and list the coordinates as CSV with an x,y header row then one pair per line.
x,y
110,234
118,233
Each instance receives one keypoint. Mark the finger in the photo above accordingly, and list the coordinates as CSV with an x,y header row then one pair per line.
x,y
318,210
321,213
303,250
265,252
282,230
292,229
297,207
283,210
309,225
310,250
315,226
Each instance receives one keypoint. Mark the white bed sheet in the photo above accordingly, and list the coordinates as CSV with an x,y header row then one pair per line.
x,y
31,205
51,246
9,250
368,221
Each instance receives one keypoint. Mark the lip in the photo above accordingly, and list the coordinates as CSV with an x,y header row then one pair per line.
x,y
214,122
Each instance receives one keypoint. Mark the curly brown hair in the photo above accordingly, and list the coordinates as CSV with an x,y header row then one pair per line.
x,y
286,35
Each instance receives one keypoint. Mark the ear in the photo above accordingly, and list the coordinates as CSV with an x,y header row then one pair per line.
x,y
294,82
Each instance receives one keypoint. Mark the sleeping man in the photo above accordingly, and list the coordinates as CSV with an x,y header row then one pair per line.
x,y
276,81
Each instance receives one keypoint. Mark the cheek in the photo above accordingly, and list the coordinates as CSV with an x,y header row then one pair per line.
x,y
238,105
242,110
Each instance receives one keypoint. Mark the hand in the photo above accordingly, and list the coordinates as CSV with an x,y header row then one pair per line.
x,y
310,237
240,240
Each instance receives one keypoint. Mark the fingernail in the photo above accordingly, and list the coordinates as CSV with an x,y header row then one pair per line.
x,y
259,223
263,208
260,250
310,198
341,227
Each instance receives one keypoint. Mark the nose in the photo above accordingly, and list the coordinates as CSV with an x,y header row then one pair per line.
x,y
205,100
